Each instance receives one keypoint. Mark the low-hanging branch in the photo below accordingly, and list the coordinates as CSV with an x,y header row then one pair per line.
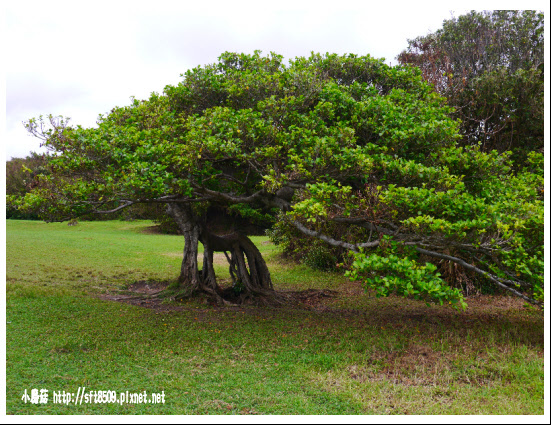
x,y
334,242
363,222
468,266
356,248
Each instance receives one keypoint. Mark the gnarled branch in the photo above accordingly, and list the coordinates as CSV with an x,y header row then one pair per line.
x,y
332,241
493,278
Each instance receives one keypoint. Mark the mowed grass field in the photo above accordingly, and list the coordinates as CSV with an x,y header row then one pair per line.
x,y
347,353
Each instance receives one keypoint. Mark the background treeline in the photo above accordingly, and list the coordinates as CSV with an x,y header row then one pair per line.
x,y
21,177
490,67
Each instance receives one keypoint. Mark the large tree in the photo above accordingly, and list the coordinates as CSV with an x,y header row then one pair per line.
x,y
330,141
490,67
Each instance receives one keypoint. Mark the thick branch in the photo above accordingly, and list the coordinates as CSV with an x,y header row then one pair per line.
x,y
259,196
362,222
232,199
332,241
120,207
356,247
493,278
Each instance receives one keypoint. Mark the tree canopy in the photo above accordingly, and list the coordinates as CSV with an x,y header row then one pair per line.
x,y
328,140
490,66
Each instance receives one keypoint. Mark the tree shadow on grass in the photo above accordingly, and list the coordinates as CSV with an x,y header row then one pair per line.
x,y
502,317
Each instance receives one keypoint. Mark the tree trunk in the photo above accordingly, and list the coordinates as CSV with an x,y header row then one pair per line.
x,y
192,280
247,267
208,278
190,276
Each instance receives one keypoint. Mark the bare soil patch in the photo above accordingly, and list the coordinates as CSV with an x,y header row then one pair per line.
x,y
416,365
146,294
481,307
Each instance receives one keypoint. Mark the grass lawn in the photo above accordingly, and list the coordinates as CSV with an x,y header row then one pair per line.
x,y
350,353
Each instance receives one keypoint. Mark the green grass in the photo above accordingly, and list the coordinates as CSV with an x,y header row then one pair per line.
x,y
350,354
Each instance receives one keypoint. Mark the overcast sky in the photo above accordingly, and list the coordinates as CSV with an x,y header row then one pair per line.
x,y
81,58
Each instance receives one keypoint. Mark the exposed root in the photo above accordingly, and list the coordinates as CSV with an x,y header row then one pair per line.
x,y
160,294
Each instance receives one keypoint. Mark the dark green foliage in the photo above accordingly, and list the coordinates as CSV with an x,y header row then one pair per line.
x,y
21,177
490,67
308,250
320,257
